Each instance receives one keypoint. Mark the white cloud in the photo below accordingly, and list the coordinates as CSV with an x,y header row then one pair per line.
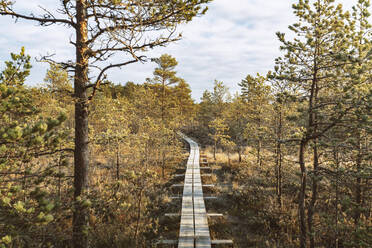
x,y
234,38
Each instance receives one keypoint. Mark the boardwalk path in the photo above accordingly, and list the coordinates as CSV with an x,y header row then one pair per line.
x,y
194,230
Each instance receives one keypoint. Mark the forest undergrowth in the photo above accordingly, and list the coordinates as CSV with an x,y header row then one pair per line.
x,y
247,197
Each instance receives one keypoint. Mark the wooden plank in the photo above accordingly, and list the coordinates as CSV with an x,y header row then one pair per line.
x,y
208,185
194,229
167,242
179,175
177,185
183,185
178,214
215,215
210,197
222,242
202,235
172,214
186,235
205,198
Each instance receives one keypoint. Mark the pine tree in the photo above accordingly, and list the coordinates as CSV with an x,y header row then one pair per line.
x,y
237,120
213,105
218,134
204,115
284,126
165,75
256,95
220,96
360,89
24,137
110,129
185,106
313,63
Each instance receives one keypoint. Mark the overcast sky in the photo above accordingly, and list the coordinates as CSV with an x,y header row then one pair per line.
x,y
233,39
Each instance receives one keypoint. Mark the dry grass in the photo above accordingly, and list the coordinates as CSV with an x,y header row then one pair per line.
x,y
223,157
253,217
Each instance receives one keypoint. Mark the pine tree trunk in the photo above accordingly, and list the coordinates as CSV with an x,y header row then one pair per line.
x,y
278,172
310,211
280,178
138,217
59,176
358,187
259,152
162,103
314,128
240,154
335,157
117,162
278,162
301,204
81,153
163,165
24,181
214,150
163,128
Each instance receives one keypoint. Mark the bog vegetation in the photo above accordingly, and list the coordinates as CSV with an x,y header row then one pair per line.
x,y
90,164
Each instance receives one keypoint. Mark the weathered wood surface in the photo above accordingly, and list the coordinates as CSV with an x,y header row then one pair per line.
x,y
214,242
186,236
194,229
222,242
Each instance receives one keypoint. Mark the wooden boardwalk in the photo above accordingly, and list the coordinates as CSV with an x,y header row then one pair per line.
x,y
194,229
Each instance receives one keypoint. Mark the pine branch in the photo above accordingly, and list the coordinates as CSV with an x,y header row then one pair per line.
x,y
102,75
47,20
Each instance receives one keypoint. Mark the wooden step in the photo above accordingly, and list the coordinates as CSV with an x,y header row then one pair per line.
x,y
213,242
179,214
222,242
205,197
182,185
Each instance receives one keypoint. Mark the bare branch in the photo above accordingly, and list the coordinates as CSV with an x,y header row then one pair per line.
x,y
46,20
102,73
69,65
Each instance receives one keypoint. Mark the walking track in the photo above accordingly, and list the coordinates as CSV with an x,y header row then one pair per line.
x,y
194,229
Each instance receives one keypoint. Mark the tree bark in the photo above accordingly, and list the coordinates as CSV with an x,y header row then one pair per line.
x,y
358,187
117,162
278,162
138,217
336,160
314,196
259,152
163,128
163,165
280,178
311,129
59,176
301,204
240,154
81,153
313,116
214,150
278,172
